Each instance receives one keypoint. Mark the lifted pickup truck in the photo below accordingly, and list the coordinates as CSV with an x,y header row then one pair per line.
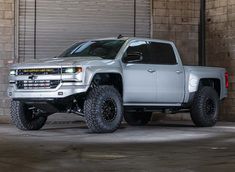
x,y
106,79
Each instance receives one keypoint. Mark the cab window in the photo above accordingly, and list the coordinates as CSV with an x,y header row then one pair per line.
x,y
138,47
162,53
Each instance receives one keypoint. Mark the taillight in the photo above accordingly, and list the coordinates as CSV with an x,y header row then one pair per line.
x,y
226,80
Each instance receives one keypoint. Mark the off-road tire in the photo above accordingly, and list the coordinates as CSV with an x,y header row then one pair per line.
x,y
137,118
21,117
98,116
205,108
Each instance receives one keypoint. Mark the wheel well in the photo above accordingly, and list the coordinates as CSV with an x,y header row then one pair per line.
x,y
114,79
211,82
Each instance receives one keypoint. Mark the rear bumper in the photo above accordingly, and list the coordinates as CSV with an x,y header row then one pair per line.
x,y
62,92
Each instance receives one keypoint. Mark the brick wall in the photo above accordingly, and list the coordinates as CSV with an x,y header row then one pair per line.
x,y
6,49
221,46
177,20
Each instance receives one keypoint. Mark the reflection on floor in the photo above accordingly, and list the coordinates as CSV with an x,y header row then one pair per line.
x,y
166,146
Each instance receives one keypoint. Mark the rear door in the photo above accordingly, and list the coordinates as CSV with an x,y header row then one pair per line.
x,y
169,73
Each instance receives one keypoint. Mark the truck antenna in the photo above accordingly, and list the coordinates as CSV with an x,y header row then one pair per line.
x,y
120,36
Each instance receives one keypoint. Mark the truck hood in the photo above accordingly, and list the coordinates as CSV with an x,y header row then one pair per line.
x,y
57,62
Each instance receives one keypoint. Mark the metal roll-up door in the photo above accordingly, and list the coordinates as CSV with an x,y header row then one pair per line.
x,y
143,18
59,23
26,30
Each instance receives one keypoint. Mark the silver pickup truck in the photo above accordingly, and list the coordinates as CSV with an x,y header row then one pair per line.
x,y
105,80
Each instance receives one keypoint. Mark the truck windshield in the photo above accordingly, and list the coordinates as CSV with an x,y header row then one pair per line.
x,y
106,49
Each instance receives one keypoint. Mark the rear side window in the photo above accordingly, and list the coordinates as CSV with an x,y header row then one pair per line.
x,y
162,53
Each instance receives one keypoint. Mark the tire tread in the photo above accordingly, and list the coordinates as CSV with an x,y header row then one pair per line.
x,y
91,109
200,119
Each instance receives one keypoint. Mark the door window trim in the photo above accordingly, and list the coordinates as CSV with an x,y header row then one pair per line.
x,y
128,45
148,47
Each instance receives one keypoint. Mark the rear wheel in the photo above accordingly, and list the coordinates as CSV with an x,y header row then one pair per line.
x,y
25,117
137,118
205,109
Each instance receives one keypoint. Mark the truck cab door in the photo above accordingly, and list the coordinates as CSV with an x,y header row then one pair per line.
x,y
139,78
169,73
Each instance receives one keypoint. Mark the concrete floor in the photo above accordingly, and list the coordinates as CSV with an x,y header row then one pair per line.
x,y
165,146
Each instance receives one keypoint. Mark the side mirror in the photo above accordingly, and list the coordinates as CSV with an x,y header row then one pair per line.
x,y
133,57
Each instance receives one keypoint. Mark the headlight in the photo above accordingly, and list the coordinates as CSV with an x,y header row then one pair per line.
x,y
71,70
12,72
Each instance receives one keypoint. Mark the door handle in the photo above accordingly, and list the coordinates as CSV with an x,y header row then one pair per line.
x,y
151,70
179,72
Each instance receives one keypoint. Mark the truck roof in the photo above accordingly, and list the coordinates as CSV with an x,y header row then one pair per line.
x,y
134,38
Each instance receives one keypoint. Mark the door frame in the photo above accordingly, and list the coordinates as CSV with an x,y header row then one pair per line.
x,y
16,30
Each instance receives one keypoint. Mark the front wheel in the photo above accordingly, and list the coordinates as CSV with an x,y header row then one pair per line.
x,y
103,109
205,109
138,118
25,117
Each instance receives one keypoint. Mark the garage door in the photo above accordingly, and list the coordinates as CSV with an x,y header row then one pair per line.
x,y
58,23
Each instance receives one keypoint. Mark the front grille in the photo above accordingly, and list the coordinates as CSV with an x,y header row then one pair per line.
x,y
37,84
43,71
